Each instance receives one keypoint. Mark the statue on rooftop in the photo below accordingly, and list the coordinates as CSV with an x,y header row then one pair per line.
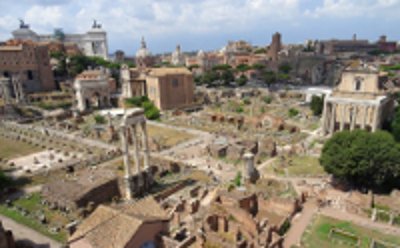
x,y
22,24
95,24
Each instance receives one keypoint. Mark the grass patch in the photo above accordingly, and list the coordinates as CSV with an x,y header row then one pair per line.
x,y
296,166
318,234
167,137
10,149
32,206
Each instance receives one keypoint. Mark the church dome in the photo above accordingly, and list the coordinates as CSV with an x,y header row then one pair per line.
x,y
143,52
201,54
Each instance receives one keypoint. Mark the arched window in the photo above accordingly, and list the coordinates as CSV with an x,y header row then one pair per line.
x,y
358,85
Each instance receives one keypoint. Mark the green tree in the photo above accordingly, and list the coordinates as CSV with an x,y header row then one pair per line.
x,y
367,160
242,80
258,67
285,68
269,77
243,68
395,125
222,67
317,105
227,76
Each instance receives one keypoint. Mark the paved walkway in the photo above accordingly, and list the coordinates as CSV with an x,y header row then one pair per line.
x,y
300,223
21,233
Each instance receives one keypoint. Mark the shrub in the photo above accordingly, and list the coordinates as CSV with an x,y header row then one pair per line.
x,y
293,112
267,99
238,179
99,119
239,109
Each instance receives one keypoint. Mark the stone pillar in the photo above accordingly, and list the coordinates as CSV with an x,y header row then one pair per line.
x,y
325,118
375,122
364,118
135,142
354,118
333,119
250,173
16,91
145,145
125,151
342,116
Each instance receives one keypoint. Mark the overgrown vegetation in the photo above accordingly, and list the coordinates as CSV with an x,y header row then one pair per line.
x,y
150,110
317,105
292,112
99,119
366,160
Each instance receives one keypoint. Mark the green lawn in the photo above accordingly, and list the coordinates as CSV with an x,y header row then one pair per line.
x,y
296,166
317,235
10,149
33,206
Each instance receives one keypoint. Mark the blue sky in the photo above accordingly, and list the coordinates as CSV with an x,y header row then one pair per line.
x,y
206,24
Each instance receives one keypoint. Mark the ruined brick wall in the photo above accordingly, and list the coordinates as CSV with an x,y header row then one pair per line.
x,y
100,194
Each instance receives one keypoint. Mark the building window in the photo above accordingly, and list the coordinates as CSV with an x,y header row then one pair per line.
x,y
30,75
6,74
358,85
175,82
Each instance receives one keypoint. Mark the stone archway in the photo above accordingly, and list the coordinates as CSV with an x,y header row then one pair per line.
x,y
95,100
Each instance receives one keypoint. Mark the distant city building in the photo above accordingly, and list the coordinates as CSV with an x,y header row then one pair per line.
x,y
358,102
386,46
119,56
275,47
177,57
353,46
168,88
30,62
143,58
92,43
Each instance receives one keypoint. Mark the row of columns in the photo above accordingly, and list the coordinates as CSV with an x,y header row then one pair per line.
x,y
349,114
17,87
132,131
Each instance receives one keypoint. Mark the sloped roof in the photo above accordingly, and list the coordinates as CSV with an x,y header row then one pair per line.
x,y
115,226
169,71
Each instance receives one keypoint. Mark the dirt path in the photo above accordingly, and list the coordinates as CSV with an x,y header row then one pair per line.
x,y
300,223
23,233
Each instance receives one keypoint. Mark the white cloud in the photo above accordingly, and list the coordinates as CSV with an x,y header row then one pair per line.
x,y
127,20
43,17
359,8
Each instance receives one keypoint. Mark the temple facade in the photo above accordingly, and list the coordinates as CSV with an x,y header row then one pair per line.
x,y
358,102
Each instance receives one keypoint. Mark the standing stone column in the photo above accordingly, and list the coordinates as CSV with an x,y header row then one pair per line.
x,y
125,150
135,142
364,118
250,173
354,118
342,116
145,145
333,119
375,122
325,118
